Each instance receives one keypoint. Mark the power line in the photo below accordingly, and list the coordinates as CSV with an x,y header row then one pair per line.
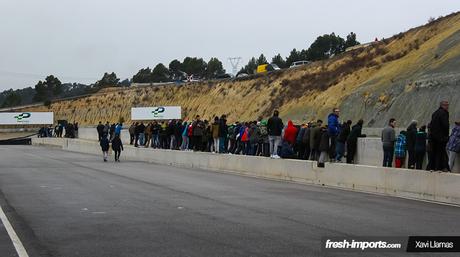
x,y
235,61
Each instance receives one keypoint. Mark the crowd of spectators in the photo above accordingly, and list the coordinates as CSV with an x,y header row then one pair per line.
x,y
335,141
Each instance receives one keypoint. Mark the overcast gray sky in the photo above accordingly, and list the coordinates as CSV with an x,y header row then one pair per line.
x,y
79,40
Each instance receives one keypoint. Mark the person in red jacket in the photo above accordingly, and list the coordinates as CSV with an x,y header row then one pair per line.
x,y
290,133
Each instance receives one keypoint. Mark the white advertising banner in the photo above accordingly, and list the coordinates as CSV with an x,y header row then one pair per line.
x,y
156,113
26,118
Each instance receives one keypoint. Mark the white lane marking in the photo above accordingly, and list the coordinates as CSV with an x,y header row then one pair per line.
x,y
99,212
13,236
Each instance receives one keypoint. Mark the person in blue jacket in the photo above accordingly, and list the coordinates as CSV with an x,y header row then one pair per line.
x,y
333,129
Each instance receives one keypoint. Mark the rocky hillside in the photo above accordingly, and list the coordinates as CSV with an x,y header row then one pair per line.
x,y
403,77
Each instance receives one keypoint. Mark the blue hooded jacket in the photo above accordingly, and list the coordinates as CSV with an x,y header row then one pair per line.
x,y
333,125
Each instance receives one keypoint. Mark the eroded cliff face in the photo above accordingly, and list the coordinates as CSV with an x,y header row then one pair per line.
x,y
403,77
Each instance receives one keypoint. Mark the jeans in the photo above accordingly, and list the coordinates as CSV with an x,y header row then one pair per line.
x,y
388,156
340,150
332,148
452,156
156,141
184,145
141,139
274,143
253,148
222,145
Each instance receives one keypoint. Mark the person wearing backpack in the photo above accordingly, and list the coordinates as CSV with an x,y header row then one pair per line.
x,y
453,145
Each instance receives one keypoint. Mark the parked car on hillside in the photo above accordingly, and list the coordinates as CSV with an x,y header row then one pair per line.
x,y
299,63
224,76
242,75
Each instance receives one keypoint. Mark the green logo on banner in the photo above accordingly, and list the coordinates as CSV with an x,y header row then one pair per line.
x,y
158,111
22,116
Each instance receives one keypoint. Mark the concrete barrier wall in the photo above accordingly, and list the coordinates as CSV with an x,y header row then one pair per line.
x,y
50,141
424,185
418,184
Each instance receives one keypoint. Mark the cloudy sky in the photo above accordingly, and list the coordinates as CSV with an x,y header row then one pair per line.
x,y
79,40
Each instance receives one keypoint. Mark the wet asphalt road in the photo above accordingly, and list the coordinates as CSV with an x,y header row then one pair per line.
x,y
71,204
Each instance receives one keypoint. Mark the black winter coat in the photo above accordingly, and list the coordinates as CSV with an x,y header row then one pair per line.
x,y
117,145
275,126
344,134
100,129
198,128
104,144
420,142
440,125
223,128
354,134
140,129
324,141
410,138
315,137
306,137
